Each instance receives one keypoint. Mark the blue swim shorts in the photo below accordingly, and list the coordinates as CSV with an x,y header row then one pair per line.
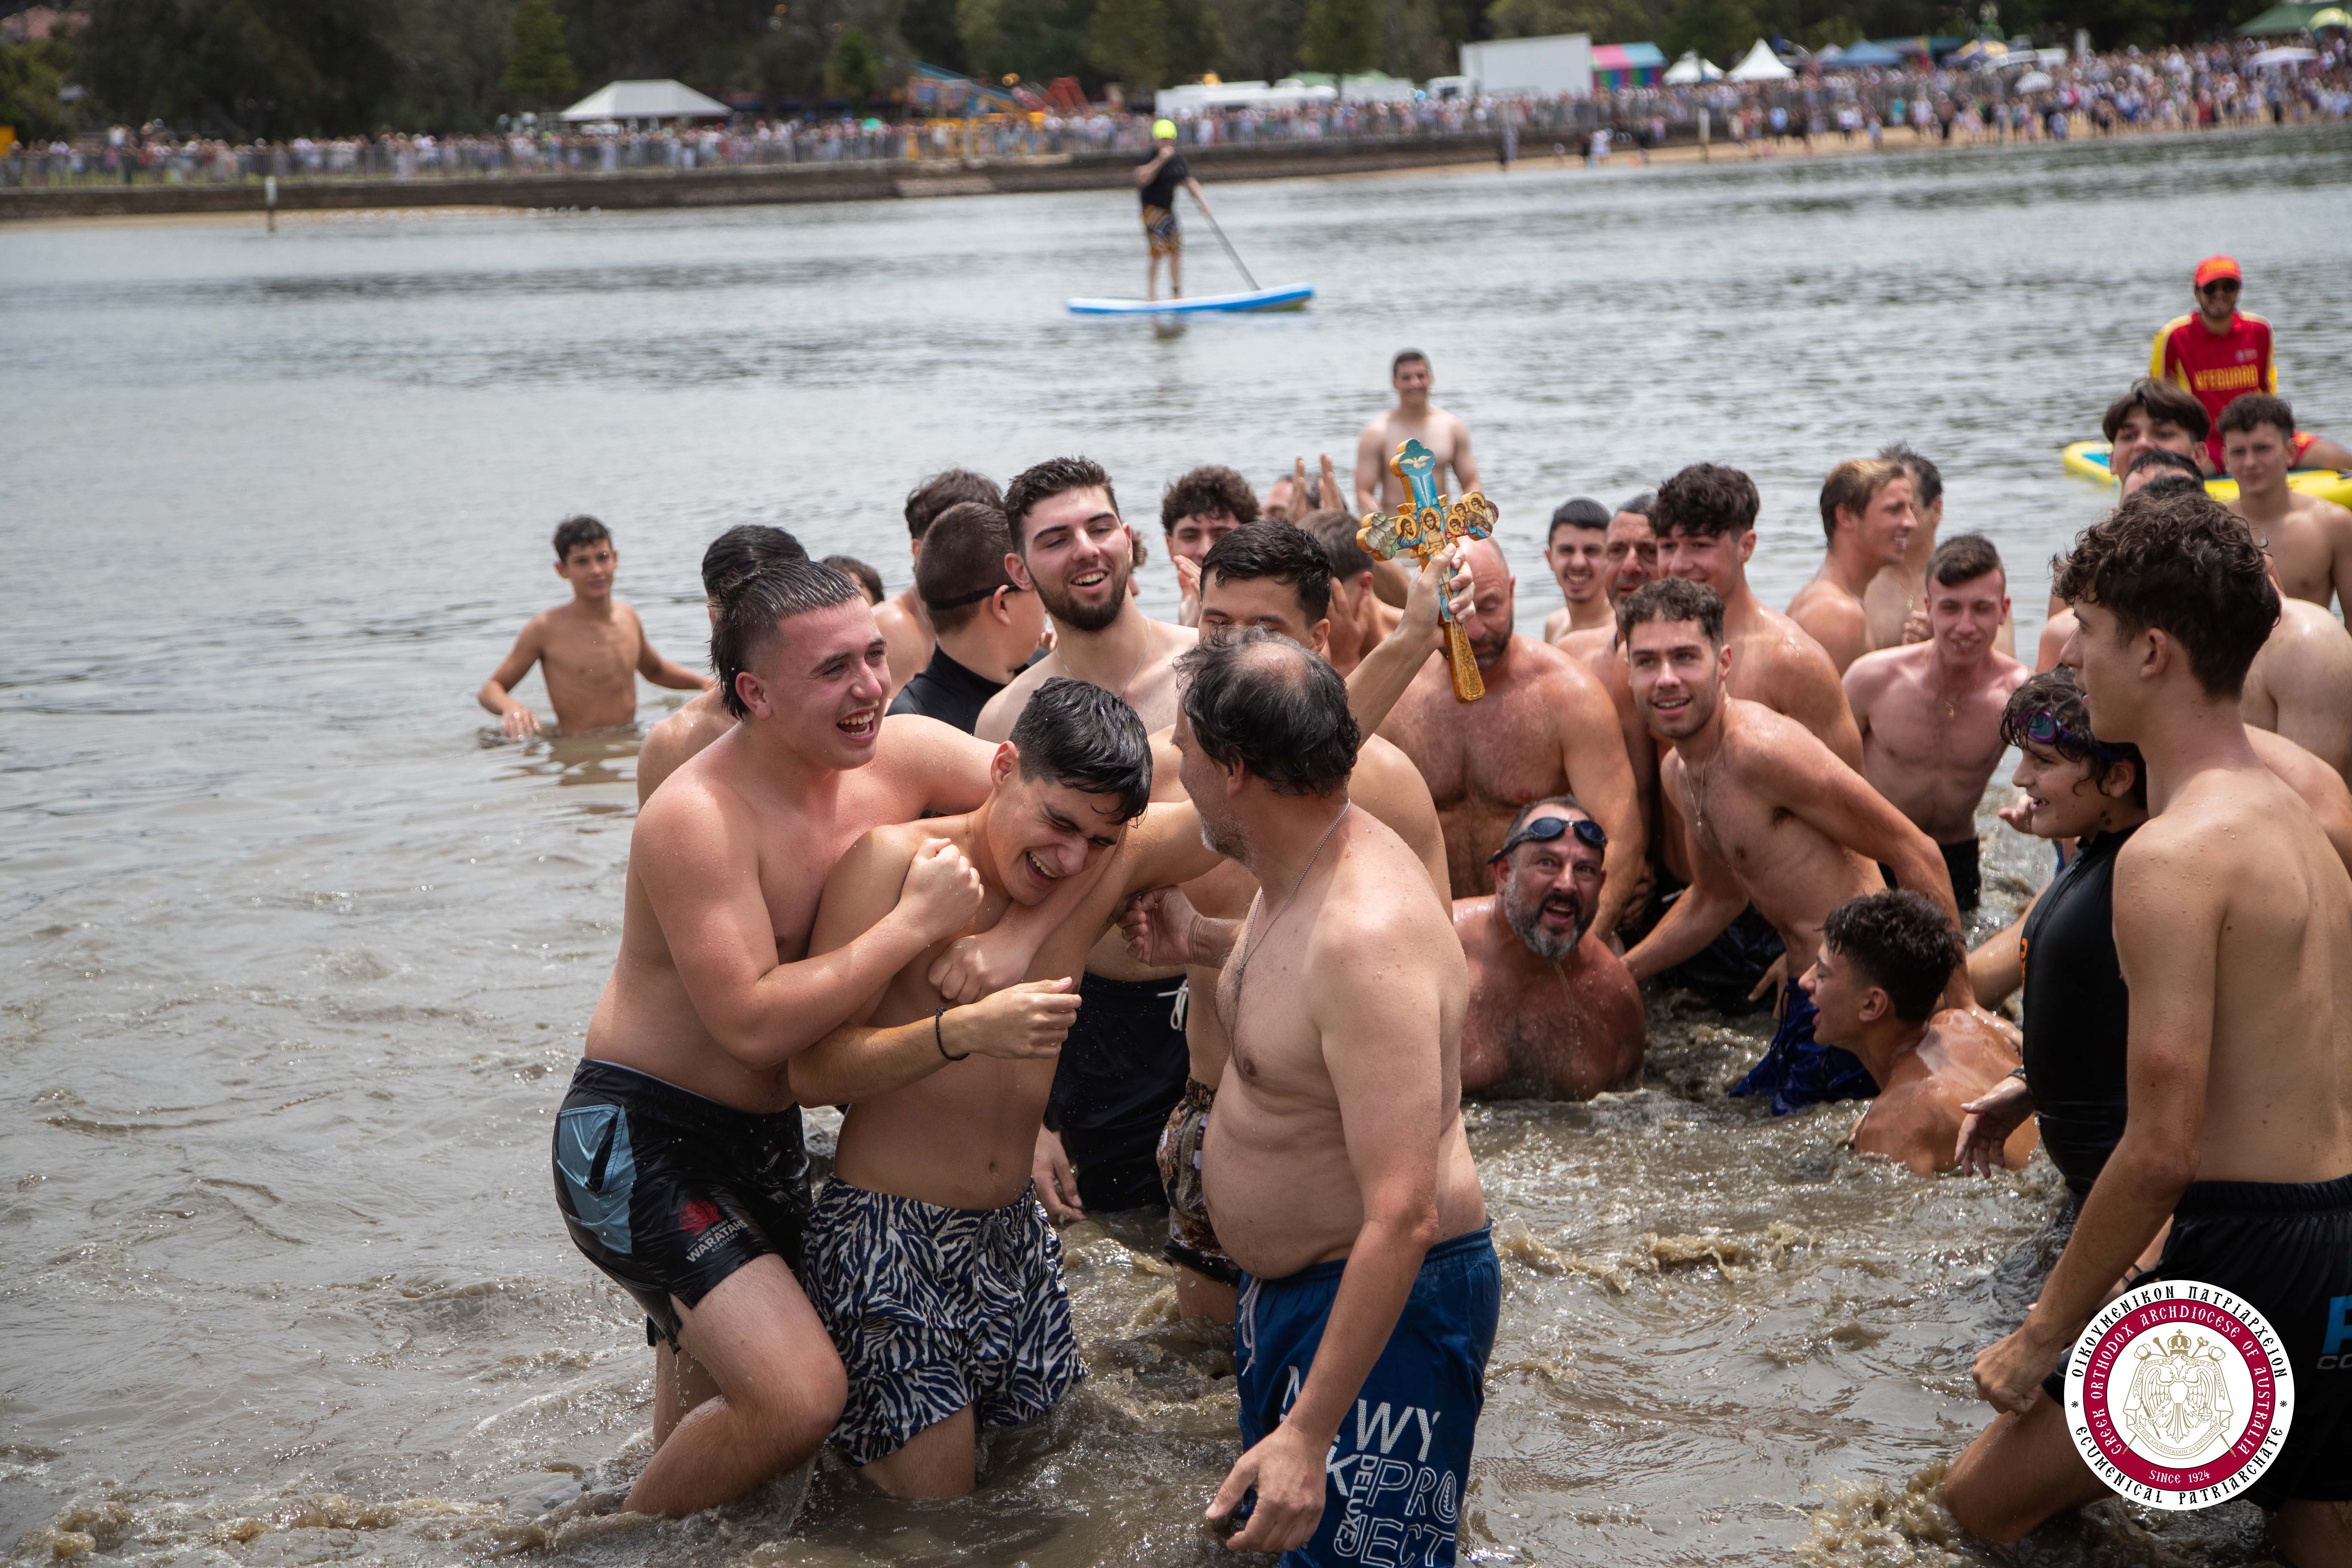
x,y
1798,1070
1395,1481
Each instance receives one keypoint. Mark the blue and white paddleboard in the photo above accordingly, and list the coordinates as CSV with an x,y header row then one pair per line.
x,y
1291,298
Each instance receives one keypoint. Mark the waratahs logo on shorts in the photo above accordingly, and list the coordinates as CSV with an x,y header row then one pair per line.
x,y
2179,1394
698,1214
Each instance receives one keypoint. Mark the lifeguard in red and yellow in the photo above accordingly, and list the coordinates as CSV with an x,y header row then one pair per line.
x,y
2219,352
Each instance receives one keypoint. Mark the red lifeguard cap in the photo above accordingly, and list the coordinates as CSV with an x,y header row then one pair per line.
x,y
2214,267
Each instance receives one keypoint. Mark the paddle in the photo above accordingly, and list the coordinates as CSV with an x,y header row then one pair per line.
x,y
1219,230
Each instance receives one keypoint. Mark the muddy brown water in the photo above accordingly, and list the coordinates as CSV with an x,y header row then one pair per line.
x,y
300,954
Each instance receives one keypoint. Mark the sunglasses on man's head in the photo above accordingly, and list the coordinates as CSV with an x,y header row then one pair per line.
x,y
1545,829
2044,728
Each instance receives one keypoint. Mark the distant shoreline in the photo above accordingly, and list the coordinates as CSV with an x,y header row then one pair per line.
x,y
652,190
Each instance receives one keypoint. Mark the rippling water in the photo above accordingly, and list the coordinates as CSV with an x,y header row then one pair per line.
x,y
300,955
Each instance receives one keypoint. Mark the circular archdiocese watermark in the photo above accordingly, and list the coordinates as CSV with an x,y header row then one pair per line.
x,y
2179,1394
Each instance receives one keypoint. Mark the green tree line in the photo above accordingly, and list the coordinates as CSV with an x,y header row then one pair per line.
x,y
285,67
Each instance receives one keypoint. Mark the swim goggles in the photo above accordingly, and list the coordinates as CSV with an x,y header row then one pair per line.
x,y
2043,728
1545,829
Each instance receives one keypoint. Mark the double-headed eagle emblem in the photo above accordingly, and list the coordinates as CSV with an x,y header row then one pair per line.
x,y
2178,1404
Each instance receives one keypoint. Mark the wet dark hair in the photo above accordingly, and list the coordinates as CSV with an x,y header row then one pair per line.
x,y
1046,480
1927,480
1902,942
859,573
1578,511
1073,733
952,487
575,532
2059,693
2161,400
1405,357
1963,556
1639,506
748,620
1280,551
1208,489
1671,599
2164,458
1335,531
2170,485
2249,409
1267,703
1707,499
2185,566
1853,485
741,550
962,562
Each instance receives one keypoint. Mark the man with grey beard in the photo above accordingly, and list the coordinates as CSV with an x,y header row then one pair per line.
x,y
1554,1015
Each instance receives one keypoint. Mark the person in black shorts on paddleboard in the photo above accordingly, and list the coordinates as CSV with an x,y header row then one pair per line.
x,y
1157,174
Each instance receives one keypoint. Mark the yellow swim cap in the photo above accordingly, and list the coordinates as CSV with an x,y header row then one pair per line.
x,y
1164,129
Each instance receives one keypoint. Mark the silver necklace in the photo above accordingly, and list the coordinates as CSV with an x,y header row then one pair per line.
x,y
1241,971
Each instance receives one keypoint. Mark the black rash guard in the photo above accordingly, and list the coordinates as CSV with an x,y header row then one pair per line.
x,y
2078,1012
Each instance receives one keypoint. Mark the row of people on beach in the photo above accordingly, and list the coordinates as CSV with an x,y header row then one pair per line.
x,y
829,907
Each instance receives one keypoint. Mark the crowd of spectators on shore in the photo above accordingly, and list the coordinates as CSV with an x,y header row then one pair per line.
x,y
2172,90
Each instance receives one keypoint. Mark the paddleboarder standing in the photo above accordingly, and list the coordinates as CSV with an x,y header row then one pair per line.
x,y
1157,174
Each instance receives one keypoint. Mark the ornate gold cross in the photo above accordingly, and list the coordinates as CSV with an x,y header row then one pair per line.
x,y
1422,527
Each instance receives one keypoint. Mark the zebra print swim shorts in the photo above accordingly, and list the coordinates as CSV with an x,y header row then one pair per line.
x,y
933,1309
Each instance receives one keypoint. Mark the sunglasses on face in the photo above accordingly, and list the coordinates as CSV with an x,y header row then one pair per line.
x,y
2224,287
1544,830
2044,728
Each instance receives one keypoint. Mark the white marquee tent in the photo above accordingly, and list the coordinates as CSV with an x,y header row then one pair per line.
x,y
1761,65
646,101
1691,69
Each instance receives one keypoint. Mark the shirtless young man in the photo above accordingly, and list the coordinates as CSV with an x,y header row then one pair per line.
x,y
731,559
928,1259
1930,712
1866,513
1201,507
2233,927
1414,418
679,1161
1574,553
1877,984
1546,727
1553,1013
1706,522
2309,538
906,624
1774,818
1339,1178
591,650
1123,1064
1273,577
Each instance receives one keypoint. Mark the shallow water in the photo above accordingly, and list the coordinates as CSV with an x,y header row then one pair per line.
x,y
300,955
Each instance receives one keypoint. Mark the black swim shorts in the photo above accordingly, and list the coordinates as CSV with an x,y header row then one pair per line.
x,y
669,1193
1123,1066
2284,1250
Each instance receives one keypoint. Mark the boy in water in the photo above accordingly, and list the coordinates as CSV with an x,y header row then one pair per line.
x,y
593,648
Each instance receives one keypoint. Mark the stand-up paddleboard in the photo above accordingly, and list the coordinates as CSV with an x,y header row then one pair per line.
x,y
2089,459
1291,298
